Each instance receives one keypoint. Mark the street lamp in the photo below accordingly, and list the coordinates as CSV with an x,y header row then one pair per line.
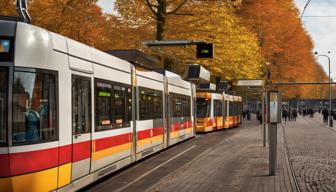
x,y
330,118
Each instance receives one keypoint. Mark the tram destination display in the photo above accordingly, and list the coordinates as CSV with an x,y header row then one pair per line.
x,y
6,49
4,45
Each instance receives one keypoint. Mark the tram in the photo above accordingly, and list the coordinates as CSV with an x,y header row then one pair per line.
x,y
217,111
71,114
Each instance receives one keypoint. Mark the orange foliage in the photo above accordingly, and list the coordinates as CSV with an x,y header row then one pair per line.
x,y
285,44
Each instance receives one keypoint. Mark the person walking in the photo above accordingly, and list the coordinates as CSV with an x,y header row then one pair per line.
x,y
244,114
259,117
248,115
325,115
295,114
290,114
284,114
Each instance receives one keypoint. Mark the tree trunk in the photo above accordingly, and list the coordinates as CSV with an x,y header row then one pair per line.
x,y
161,19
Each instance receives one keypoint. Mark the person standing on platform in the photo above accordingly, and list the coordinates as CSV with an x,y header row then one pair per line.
x,y
248,115
290,114
284,114
259,116
325,114
295,114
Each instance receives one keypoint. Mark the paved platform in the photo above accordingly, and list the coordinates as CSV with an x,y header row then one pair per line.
x,y
312,152
229,160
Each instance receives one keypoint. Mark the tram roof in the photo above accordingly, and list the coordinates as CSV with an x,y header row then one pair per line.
x,y
136,57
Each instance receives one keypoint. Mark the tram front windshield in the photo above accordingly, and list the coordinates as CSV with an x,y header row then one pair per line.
x,y
203,108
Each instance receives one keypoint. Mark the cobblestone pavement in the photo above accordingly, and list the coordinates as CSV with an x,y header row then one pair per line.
x,y
312,152
239,164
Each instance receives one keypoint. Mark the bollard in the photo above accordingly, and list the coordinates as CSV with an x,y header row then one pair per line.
x,y
274,117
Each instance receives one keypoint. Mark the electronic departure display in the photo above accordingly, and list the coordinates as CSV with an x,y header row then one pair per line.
x,y
6,49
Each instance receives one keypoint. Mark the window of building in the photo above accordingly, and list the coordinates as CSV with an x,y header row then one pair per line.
x,y
3,105
34,107
81,105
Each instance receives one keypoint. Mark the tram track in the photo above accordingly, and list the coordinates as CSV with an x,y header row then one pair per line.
x,y
288,162
154,169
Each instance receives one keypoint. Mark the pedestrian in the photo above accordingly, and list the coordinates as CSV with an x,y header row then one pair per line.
x,y
284,114
259,117
325,115
248,115
290,115
295,114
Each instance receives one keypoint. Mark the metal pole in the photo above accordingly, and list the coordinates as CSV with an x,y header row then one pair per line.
x,y
272,131
264,118
330,115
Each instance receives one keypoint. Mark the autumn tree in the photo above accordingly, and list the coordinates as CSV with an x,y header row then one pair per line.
x,y
285,44
237,53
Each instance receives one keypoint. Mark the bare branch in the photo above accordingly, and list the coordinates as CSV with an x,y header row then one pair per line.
x,y
177,8
150,6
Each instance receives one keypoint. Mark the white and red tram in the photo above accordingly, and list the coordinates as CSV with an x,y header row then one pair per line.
x,y
70,114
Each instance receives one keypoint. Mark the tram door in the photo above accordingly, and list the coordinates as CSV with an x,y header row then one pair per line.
x,y
81,126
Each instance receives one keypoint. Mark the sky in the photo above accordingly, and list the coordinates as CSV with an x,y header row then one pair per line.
x,y
107,6
321,29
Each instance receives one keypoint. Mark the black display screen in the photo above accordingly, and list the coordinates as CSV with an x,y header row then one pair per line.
x,y
6,49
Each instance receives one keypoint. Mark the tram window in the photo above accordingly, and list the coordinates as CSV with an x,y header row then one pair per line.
x,y
81,105
218,107
150,104
120,106
225,108
231,108
187,106
113,106
3,105
34,107
157,104
145,98
203,107
129,105
103,106
178,112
